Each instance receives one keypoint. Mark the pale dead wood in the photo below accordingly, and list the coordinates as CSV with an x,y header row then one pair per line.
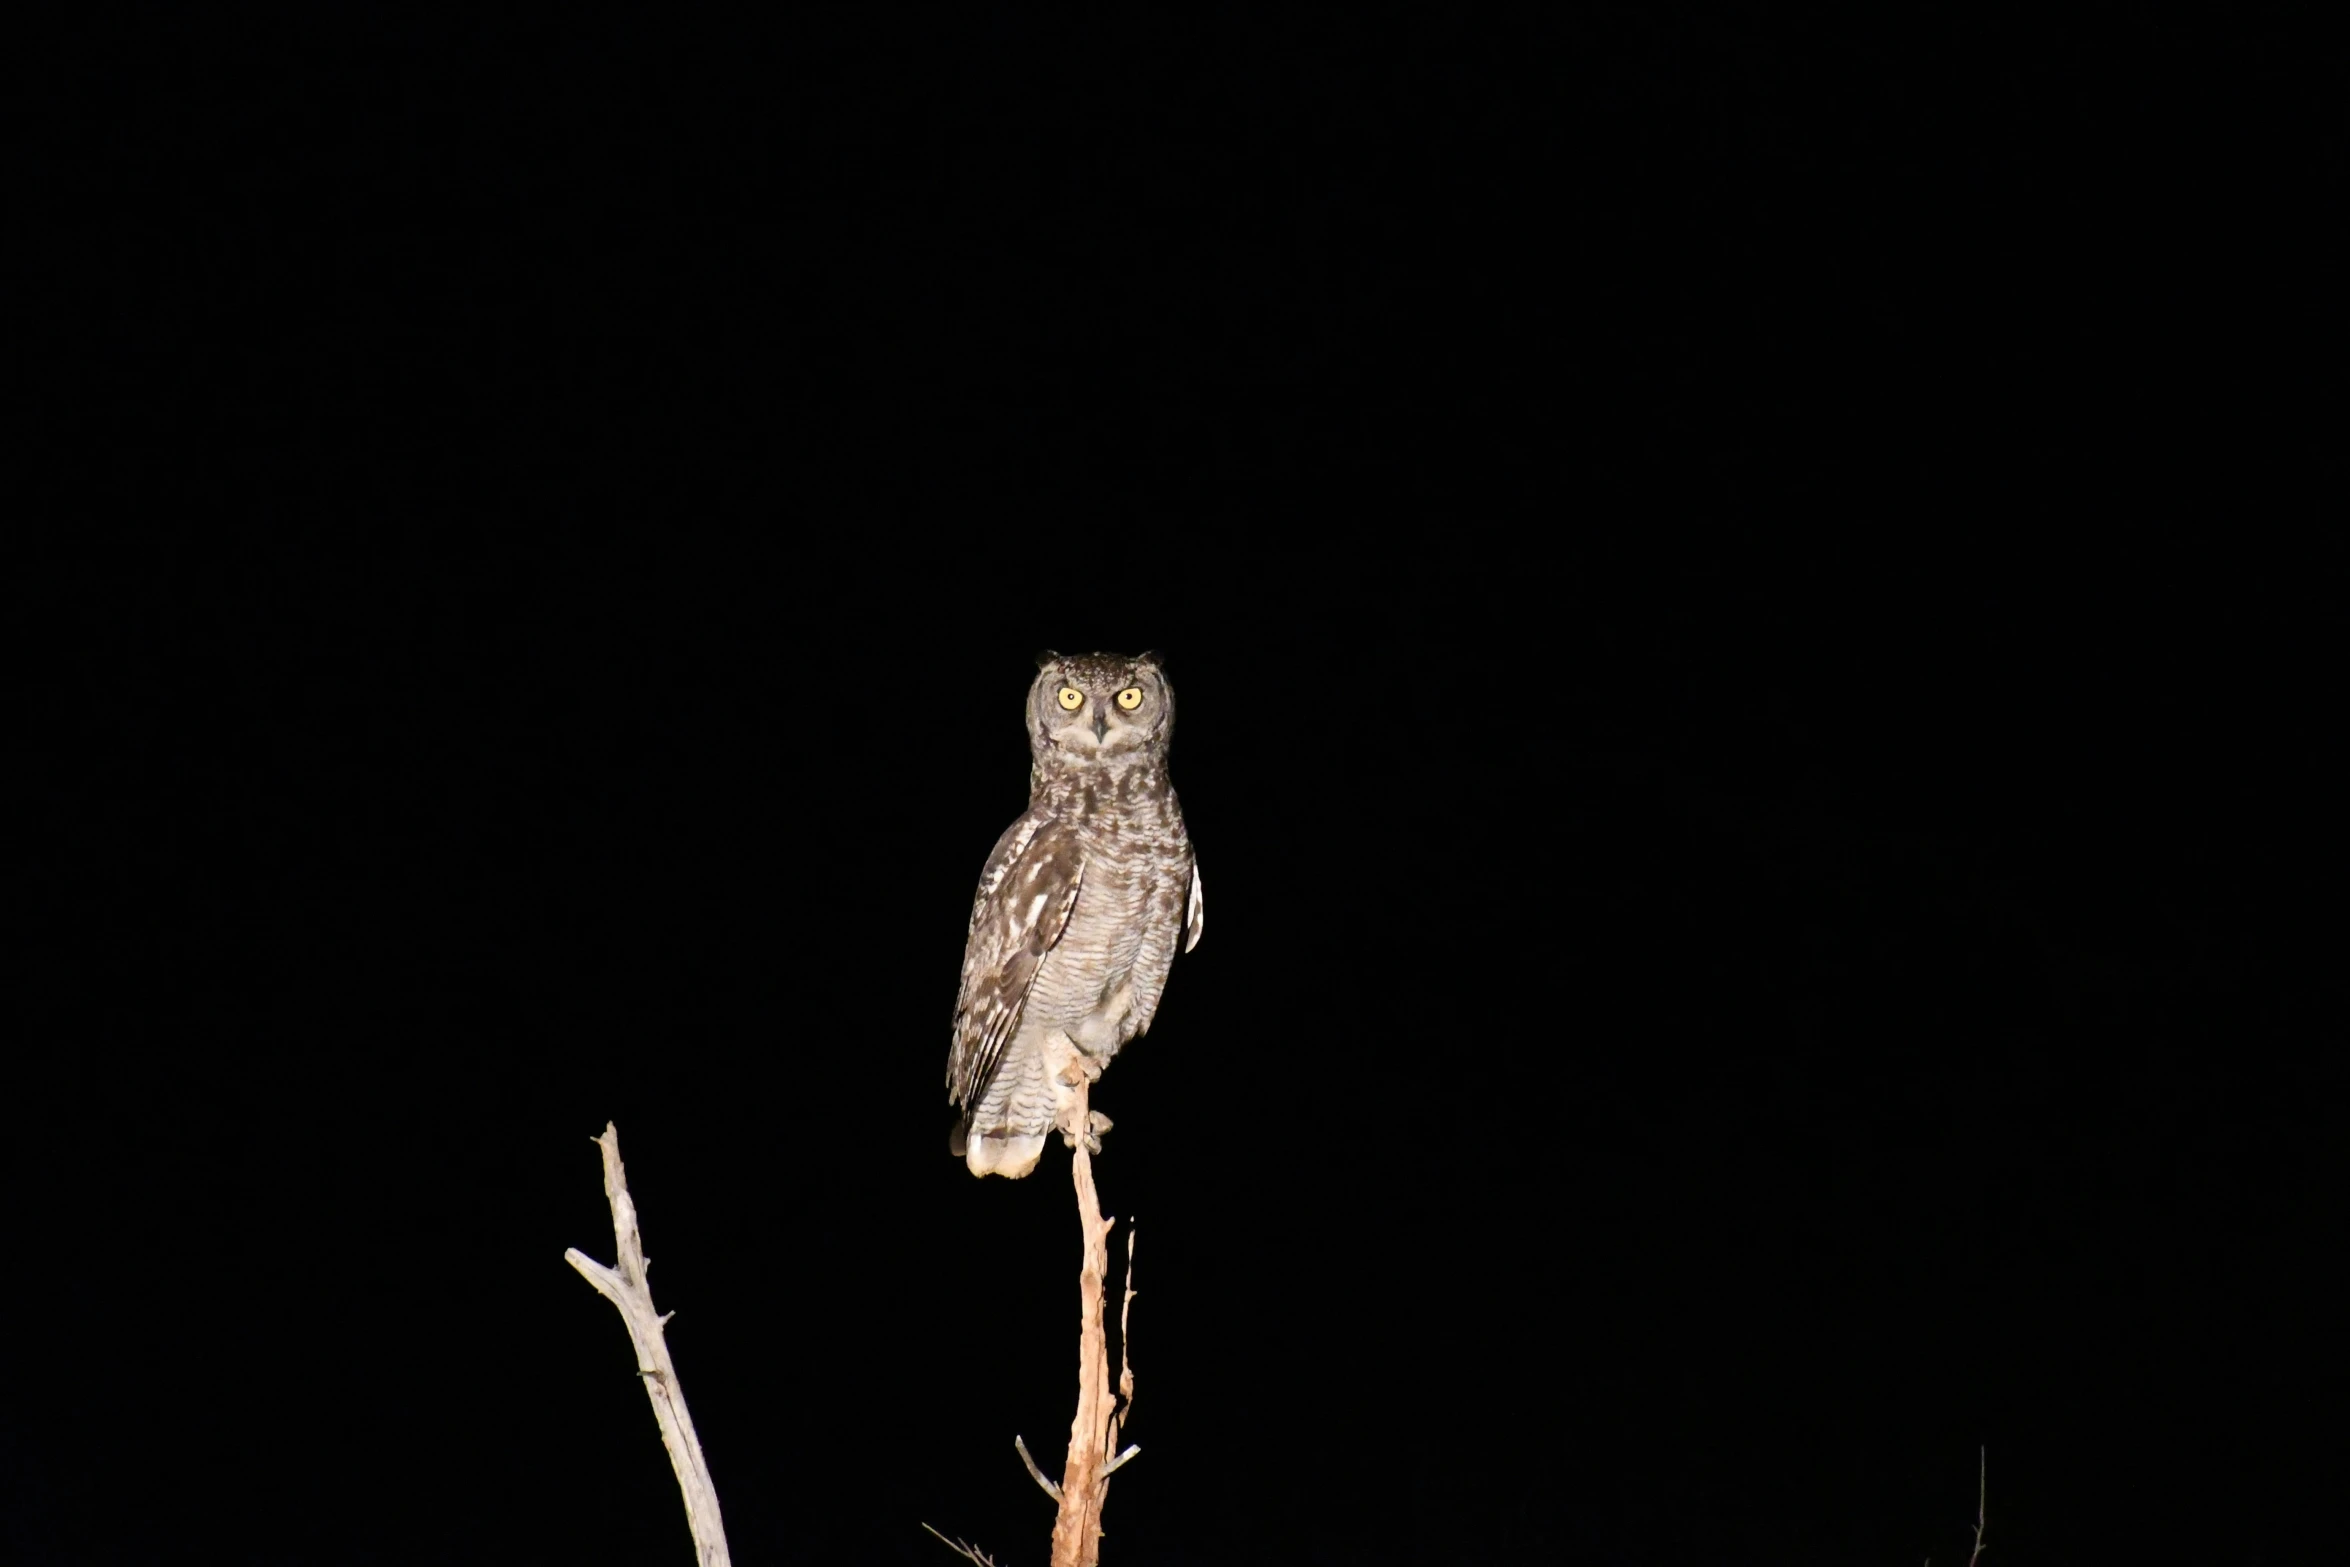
x,y
625,1287
1093,1434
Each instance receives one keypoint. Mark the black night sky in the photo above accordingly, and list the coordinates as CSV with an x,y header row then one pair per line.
x,y
1752,768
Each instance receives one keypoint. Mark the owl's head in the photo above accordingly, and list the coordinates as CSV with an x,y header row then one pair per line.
x,y
1089,707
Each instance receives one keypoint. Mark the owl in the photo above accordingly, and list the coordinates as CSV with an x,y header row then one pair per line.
x,y
1078,915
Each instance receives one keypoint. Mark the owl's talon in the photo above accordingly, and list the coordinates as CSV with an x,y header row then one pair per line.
x,y
1096,1123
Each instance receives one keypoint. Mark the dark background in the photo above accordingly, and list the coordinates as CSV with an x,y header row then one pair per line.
x,y
551,516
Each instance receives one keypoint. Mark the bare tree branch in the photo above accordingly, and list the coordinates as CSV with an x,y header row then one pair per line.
x,y
1093,1434
625,1287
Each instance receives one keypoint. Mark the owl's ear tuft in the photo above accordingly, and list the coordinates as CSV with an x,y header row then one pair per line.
x,y
1156,659
1045,657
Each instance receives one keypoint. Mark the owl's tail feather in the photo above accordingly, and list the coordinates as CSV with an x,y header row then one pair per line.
x,y
997,1153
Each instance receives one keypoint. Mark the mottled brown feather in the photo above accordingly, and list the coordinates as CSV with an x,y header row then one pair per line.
x,y
1026,895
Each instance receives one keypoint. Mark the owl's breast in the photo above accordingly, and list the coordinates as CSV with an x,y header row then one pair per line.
x,y
1085,984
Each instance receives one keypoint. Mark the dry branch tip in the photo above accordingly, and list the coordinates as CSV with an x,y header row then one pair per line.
x,y
1982,1499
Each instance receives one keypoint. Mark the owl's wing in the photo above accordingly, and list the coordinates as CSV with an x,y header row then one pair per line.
x,y
1025,896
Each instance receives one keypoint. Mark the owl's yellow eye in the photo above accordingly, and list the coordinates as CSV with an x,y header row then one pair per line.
x,y
1130,698
1071,699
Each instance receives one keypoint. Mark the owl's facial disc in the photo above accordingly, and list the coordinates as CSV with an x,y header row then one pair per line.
x,y
1096,707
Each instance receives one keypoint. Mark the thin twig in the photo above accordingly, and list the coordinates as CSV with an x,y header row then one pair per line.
x,y
1982,1498
967,1552
625,1287
1125,1366
1035,1473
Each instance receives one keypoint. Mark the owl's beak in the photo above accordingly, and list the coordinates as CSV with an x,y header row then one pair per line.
x,y
1101,726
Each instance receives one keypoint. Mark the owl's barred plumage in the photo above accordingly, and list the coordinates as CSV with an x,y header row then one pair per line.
x,y
1079,910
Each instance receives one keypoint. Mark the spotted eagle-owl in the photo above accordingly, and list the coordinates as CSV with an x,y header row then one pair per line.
x,y
1078,914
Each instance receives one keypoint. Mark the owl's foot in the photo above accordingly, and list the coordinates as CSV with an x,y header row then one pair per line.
x,y
1080,1068
1096,1123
